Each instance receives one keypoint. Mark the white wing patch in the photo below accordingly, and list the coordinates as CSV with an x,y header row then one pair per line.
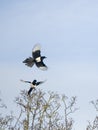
x,y
43,68
36,47
38,59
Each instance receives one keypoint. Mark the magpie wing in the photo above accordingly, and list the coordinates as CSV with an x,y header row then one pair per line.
x,y
25,81
41,65
36,51
40,82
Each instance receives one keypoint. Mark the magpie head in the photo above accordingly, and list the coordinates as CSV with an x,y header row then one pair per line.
x,y
43,57
34,82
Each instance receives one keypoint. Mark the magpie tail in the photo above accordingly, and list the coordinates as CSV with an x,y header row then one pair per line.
x,y
29,61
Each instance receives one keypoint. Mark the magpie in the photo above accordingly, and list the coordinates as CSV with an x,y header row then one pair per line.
x,y
36,58
33,84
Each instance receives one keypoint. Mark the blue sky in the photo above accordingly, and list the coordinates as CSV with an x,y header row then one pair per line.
x,y
67,32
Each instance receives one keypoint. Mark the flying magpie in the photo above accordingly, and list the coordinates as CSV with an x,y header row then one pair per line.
x,y
33,84
36,58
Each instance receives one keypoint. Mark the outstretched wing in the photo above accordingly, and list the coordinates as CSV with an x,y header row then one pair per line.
x,y
40,82
41,65
36,47
36,53
25,81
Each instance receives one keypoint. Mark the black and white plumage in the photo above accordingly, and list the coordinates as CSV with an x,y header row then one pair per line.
x,y
36,58
33,84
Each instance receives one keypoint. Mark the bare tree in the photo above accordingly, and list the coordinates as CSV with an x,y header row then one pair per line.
x,y
41,111
69,108
94,124
5,121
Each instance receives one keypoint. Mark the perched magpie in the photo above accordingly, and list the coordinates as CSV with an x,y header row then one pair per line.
x,y
36,58
33,84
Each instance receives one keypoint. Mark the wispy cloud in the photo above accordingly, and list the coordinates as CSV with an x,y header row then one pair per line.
x,y
67,31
